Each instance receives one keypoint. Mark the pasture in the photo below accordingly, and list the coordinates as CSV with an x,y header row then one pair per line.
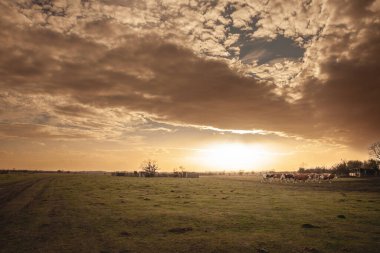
x,y
101,213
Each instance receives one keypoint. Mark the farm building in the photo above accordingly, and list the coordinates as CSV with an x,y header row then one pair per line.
x,y
361,172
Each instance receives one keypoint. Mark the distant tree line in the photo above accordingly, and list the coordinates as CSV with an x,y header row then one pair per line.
x,y
344,168
149,168
228,173
22,171
369,167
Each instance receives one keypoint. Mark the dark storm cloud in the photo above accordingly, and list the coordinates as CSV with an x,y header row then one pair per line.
x,y
149,74
143,74
347,103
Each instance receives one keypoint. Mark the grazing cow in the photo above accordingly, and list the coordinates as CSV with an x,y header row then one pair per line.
x,y
314,177
327,177
301,177
266,177
277,176
287,177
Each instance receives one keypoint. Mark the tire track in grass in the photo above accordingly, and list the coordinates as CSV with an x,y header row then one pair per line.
x,y
22,213
12,191
21,196
38,196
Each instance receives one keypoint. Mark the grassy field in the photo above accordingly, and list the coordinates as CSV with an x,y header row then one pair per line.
x,y
101,213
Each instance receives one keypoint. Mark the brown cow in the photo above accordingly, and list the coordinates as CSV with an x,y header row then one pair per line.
x,y
301,177
287,177
314,177
327,177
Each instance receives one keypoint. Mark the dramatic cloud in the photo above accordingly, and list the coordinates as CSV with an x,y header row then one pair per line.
x,y
86,69
346,91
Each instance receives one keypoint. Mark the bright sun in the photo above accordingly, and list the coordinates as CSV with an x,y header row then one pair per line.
x,y
234,156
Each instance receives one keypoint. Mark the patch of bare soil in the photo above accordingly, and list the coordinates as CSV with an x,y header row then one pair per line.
x,y
307,225
180,230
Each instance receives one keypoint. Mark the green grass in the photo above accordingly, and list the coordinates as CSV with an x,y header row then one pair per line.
x,y
101,213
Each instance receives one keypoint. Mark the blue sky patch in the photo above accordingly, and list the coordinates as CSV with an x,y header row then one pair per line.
x,y
264,51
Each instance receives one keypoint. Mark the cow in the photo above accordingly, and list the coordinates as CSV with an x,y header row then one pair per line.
x,y
314,177
287,177
277,176
266,177
327,177
301,177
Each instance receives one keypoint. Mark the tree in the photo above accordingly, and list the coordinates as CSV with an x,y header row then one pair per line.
x,y
372,166
374,150
341,168
354,165
301,170
149,167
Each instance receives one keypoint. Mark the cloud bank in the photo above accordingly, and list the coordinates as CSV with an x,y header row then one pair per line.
x,y
92,69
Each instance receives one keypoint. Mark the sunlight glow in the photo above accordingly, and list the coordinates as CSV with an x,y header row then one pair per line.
x,y
234,156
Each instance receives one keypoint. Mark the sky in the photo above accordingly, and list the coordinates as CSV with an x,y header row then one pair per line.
x,y
206,85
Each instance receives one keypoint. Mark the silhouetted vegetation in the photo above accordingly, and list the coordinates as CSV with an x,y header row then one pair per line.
x,y
26,171
346,168
149,167
374,151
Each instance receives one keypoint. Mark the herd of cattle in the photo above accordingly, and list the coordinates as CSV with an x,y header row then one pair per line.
x,y
298,177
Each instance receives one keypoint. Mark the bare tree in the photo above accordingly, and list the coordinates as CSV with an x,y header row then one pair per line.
x,y
150,168
374,151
